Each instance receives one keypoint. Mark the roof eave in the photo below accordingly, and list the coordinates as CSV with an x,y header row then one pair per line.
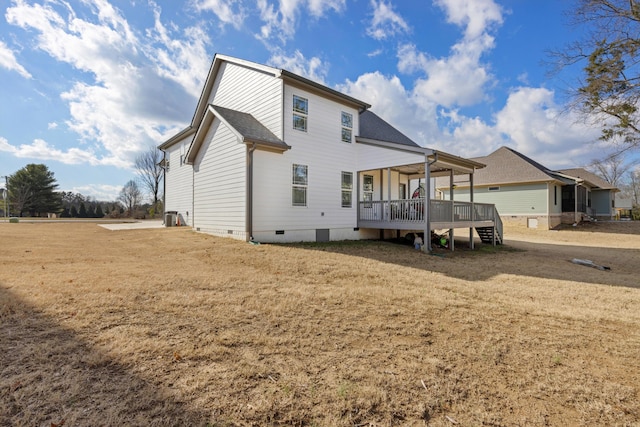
x,y
177,137
305,83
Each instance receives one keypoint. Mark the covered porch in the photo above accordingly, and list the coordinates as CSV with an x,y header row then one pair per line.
x,y
401,198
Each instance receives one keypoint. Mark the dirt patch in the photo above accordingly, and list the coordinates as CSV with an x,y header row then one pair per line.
x,y
172,327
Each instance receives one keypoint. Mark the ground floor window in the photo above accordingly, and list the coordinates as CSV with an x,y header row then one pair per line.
x,y
300,183
347,189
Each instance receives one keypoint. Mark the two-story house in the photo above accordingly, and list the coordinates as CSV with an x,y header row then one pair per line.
x,y
274,157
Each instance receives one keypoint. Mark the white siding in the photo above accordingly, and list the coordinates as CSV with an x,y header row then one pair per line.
x,y
250,91
179,183
372,157
220,184
326,155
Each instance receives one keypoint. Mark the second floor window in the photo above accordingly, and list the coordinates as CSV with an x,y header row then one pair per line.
x,y
347,126
300,112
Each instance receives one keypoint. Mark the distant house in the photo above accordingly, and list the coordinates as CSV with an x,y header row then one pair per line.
x,y
527,192
274,157
623,207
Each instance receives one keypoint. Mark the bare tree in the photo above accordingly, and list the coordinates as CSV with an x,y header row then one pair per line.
x,y
130,196
150,172
612,169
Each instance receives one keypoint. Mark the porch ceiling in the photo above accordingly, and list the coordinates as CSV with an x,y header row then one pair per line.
x,y
437,169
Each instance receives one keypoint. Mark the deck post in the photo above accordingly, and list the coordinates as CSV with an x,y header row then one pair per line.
x,y
473,212
389,193
453,215
426,204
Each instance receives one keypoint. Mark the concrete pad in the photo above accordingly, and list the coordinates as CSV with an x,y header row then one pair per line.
x,y
150,223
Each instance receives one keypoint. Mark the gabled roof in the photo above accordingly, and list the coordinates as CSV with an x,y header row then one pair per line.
x,y
591,178
246,128
373,127
286,76
507,166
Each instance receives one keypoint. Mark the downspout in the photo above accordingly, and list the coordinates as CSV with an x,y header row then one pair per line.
x,y
164,186
249,218
427,201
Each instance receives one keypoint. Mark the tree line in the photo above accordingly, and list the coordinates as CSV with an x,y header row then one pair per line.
x,y
33,191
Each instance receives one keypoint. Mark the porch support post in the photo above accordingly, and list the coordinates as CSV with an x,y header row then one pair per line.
x,y
575,203
473,211
382,213
427,202
389,192
453,215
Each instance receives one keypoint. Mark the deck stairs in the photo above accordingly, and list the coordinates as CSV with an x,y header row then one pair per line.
x,y
486,235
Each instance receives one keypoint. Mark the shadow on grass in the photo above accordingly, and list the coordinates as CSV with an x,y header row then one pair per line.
x,y
540,260
50,376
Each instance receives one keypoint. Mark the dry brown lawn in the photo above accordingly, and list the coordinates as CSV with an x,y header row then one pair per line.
x,y
172,327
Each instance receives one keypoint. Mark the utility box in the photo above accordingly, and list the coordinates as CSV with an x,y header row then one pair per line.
x,y
170,218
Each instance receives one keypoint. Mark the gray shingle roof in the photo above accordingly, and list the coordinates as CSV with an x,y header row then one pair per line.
x,y
373,127
508,166
249,127
590,177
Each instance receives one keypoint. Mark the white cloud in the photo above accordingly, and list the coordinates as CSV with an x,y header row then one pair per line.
x,y
100,192
41,150
281,21
312,68
475,15
459,79
8,60
385,21
537,127
52,125
224,10
122,109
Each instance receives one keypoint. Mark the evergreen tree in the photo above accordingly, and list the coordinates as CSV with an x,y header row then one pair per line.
x,y
98,211
32,189
74,212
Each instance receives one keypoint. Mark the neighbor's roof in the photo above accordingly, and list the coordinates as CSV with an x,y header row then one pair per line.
x,y
507,166
590,177
373,127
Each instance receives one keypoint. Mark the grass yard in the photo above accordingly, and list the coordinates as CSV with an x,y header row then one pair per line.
x,y
171,327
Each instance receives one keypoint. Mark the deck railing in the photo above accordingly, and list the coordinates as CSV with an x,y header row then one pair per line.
x,y
412,211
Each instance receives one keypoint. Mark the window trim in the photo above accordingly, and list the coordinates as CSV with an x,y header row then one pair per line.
x,y
346,189
346,128
299,186
300,116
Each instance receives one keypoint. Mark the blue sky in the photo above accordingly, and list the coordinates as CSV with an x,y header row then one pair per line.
x,y
86,85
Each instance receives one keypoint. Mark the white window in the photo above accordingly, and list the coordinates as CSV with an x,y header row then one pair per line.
x,y
347,126
347,189
300,112
299,188
367,189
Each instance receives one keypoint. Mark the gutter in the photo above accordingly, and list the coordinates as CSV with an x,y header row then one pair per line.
x,y
249,212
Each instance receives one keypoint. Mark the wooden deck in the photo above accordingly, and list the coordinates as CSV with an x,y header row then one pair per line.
x,y
408,214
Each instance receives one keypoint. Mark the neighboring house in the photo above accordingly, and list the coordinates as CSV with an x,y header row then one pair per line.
x,y
600,198
623,207
274,157
529,193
